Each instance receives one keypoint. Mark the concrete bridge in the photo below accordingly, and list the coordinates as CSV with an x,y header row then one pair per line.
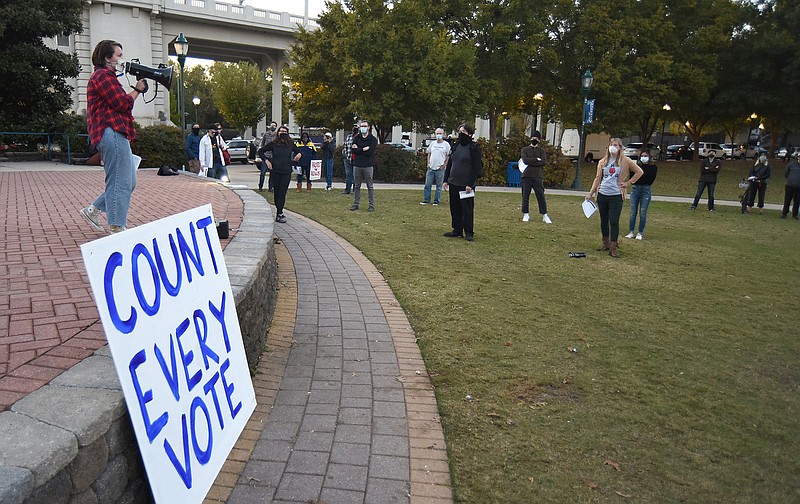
x,y
215,30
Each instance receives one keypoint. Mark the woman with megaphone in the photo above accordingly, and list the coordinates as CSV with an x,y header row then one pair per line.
x,y
109,121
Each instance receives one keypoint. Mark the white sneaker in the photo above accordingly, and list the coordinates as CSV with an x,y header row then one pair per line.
x,y
526,217
629,235
639,236
546,219
92,216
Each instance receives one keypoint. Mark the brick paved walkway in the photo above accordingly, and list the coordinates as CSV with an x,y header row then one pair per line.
x,y
354,418
48,320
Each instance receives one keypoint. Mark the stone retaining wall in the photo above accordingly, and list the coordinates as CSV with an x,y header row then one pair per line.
x,y
72,442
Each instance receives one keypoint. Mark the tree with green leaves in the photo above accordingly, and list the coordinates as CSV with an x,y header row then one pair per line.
x,y
240,92
35,91
388,63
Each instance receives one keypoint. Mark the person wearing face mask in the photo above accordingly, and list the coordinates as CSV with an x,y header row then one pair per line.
x,y
309,151
109,121
792,188
610,186
328,148
347,158
192,149
364,145
758,183
709,168
438,154
533,177
464,168
266,138
212,161
641,192
284,153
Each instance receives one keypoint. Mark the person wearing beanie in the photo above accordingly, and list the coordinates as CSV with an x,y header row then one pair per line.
x,y
535,158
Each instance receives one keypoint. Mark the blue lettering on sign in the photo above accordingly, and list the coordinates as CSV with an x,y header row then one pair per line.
x,y
187,357
171,289
141,250
205,350
171,372
219,314
184,254
185,469
123,326
203,456
229,389
143,398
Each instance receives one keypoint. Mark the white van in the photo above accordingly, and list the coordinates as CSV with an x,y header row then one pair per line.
x,y
594,148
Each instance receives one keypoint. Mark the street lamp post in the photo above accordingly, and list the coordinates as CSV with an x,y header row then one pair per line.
x,y
538,97
196,101
586,87
181,49
661,155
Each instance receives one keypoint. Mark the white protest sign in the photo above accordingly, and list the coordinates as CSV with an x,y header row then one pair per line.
x,y
316,169
166,305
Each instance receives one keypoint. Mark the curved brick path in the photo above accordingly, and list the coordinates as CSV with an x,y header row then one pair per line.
x,y
48,319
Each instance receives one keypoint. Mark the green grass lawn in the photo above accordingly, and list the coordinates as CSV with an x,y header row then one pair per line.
x,y
684,383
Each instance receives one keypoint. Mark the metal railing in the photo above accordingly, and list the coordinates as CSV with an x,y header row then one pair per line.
x,y
49,137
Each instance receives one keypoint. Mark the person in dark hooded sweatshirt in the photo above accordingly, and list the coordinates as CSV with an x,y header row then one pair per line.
x,y
464,167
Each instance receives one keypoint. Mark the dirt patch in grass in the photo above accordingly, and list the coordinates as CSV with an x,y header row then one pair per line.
x,y
541,394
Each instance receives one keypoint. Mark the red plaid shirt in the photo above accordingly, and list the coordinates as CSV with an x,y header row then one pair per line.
x,y
109,105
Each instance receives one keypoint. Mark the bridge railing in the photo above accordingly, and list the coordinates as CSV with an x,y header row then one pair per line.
x,y
245,13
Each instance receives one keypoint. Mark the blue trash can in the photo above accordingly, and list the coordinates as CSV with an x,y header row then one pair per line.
x,y
512,174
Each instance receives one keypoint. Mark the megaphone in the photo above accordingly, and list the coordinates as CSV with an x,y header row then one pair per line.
x,y
162,74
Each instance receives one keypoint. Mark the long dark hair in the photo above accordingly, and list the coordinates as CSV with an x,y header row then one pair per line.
x,y
279,140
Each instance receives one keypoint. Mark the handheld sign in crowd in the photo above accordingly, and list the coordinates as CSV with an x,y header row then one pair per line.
x,y
166,305
316,170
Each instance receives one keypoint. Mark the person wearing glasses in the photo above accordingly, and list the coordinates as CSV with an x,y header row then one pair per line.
x,y
211,159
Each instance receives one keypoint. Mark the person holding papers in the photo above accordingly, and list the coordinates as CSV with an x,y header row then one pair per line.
x,y
610,187
463,169
535,158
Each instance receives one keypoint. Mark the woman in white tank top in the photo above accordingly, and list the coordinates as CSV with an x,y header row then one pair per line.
x,y
610,187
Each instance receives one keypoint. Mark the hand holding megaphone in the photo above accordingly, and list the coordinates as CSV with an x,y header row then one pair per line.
x,y
141,86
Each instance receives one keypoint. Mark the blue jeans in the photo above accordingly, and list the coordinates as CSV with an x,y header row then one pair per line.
x,y
348,175
327,166
218,171
262,173
115,149
640,201
700,187
432,176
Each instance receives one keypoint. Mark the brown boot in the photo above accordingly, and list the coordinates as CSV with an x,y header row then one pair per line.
x,y
613,250
308,187
299,186
606,244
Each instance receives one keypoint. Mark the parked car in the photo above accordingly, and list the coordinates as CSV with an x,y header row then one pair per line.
x,y
781,153
633,149
402,146
706,148
732,151
679,152
239,149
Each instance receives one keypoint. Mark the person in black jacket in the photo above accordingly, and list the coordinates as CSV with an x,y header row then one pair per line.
x,y
709,168
792,195
533,177
463,169
280,166
641,193
758,180
328,148
364,145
